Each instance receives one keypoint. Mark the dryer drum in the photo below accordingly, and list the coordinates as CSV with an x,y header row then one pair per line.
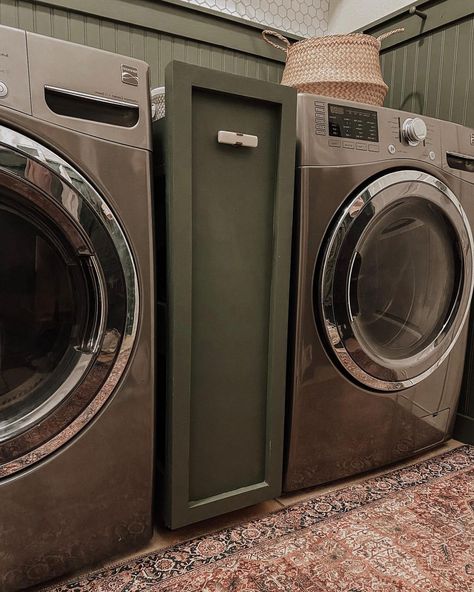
x,y
396,280
68,302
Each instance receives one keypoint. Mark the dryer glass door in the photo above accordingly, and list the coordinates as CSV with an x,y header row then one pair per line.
x,y
397,280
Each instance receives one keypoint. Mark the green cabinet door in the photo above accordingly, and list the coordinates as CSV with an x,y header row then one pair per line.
x,y
229,215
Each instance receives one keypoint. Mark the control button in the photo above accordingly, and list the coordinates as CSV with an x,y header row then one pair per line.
x,y
320,131
374,148
348,145
360,146
432,155
391,148
3,89
334,143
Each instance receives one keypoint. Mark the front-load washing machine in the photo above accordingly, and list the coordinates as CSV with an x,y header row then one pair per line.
x,y
383,278
76,307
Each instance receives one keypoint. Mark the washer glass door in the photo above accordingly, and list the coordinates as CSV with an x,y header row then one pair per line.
x,y
397,280
69,301
48,313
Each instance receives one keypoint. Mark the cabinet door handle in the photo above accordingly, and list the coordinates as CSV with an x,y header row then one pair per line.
x,y
237,139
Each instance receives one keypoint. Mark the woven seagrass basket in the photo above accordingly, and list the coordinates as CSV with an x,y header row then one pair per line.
x,y
341,66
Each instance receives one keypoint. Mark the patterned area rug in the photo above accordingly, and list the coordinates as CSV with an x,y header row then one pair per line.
x,y
407,531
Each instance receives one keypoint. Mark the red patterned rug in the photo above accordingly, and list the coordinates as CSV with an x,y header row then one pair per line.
x,y
410,530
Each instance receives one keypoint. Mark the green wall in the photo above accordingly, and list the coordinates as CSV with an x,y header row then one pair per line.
x,y
157,32
430,67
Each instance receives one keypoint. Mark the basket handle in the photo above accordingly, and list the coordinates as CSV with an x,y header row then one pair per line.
x,y
278,36
389,33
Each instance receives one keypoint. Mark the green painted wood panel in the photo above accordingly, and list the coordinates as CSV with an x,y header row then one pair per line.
x,y
232,232
433,73
229,223
179,19
158,49
438,14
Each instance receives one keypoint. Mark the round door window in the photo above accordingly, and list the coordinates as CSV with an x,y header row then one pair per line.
x,y
44,312
397,280
404,280
69,302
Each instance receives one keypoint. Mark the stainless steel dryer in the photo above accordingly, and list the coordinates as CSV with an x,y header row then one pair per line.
x,y
76,307
383,279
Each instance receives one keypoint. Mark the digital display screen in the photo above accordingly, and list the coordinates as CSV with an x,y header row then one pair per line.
x,y
349,122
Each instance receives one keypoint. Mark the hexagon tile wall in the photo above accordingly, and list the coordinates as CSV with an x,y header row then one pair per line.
x,y
306,18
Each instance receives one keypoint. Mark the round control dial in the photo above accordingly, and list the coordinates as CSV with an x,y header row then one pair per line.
x,y
414,130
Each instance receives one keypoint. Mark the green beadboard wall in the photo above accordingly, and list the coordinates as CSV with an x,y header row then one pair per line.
x,y
431,71
149,44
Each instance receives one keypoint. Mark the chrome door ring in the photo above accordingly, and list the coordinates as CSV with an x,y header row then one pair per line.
x,y
68,181
453,209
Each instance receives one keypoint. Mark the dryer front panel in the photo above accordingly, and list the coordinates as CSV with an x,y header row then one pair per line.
x,y
68,302
395,282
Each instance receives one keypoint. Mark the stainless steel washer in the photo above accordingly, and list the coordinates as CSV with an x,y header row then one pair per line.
x,y
76,308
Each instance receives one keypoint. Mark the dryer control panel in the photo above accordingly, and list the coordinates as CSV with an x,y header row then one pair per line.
x,y
352,122
342,132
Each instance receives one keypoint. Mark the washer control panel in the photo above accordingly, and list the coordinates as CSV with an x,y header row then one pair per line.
x,y
14,79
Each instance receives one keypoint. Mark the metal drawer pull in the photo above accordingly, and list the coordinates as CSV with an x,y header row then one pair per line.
x,y
237,139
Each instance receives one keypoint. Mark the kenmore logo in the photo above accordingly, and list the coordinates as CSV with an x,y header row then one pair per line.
x,y
129,75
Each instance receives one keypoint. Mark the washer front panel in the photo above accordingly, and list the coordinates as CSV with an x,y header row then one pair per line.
x,y
338,288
